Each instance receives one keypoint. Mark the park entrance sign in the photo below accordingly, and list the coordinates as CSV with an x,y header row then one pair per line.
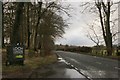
x,y
15,55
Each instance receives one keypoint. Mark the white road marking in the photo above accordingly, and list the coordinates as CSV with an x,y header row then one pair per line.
x,y
117,68
72,65
76,68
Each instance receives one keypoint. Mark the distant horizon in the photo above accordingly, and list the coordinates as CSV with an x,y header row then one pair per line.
x,y
83,45
75,45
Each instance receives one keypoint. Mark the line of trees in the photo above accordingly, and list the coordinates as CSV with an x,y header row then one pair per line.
x,y
35,25
78,49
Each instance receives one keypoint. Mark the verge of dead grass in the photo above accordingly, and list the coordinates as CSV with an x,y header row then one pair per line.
x,y
30,64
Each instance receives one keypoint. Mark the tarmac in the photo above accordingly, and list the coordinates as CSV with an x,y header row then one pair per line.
x,y
59,70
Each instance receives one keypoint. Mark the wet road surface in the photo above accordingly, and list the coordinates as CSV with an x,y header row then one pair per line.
x,y
58,70
92,66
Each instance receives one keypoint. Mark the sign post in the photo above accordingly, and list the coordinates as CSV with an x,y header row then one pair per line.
x,y
15,55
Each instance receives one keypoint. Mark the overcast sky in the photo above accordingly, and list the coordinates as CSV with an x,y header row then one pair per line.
x,y
77,31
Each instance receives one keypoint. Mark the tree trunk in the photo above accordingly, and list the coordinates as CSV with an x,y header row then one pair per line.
x,y
28,29
36,26
108,32
105,23
16,29
2,26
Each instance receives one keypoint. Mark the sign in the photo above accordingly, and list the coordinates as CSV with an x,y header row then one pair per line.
x,y
15,55
17,50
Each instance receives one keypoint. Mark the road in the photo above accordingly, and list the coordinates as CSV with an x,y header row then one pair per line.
x,y
92,66
57,70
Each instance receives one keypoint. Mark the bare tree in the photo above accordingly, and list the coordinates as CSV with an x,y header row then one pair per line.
x,y
16,31
25,22
95,38
104,10
104,14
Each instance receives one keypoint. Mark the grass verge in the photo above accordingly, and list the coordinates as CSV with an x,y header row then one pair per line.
x,y
31,63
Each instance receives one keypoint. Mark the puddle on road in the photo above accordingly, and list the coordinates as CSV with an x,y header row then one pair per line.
x,y
73,73
70,72
58,70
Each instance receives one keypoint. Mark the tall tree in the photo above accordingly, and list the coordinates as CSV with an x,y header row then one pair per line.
x,y
104,10
37,24
52,26
28,27
104,14
40,19
16,29
1,29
